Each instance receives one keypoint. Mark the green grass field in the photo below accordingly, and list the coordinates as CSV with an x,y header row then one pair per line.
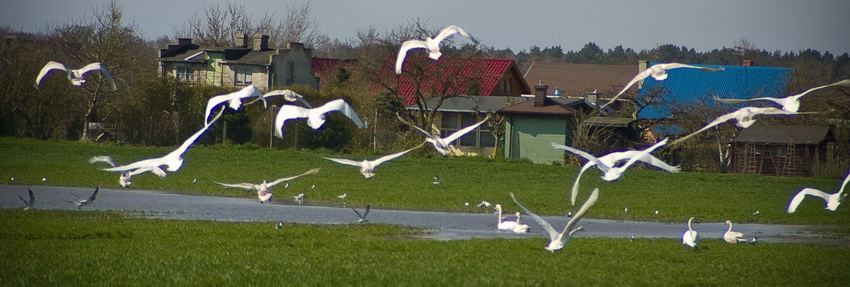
x,y
83,248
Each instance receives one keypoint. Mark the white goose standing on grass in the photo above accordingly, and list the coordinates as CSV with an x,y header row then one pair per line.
x,y
612,159
691,236
744,118
442,144
28,204
611,172
367,167
75,76
263,189
173,160
790,103
659,73
233,100
315,116
557,241
832,200
430,44
733,236
85,201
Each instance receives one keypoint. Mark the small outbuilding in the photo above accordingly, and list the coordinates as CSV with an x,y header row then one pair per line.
x,y
781,150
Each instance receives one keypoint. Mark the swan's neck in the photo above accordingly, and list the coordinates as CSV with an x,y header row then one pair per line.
x,y
730,227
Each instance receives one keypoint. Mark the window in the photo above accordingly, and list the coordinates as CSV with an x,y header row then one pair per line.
x,y
185,74
506,86
480,137
244,76
290,76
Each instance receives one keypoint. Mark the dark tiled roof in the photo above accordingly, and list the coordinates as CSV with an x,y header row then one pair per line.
x,y
551,106
471,103
809,135
322,66
578,79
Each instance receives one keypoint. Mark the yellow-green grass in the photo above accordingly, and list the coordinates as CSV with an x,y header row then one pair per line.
x,y
405,183
83,248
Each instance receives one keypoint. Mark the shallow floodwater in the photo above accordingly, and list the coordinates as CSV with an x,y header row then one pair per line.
x,y
443,225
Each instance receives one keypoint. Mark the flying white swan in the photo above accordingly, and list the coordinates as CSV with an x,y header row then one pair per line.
x,y
174,159
691,236
557,241
85,201
315,116
126,178
362,217
442,144
612,172
790,103
29,204
832,200
367,167
744,117
733,236
75,76
659,73
612,159
288,95
234,99
430,44
263,189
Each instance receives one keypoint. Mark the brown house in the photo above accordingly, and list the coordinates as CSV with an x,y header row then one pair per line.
x,y
578,80
781,150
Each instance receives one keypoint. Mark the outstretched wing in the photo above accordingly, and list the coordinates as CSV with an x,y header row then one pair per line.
x,y
644,153
46,69
103,158
285,179
402,52
288,112
792,207
670,66
738,101
242,185
426,133
99,67
639,77
340,105
717,121
343,161
94,195
390,157
463,131
601,165
288,95
546,226
582,211
451,30
191,140
574,190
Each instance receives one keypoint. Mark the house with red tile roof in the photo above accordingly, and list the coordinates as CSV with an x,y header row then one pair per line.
x,y
326,70
250,62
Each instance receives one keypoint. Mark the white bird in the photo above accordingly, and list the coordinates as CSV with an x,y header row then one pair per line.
x,y
659,73
756,213
367,167
234,99
315,116
288,95
744,117
125,179
733,236
29,204
612,172
557,241
263,189
442,144
501,222
612,159
343,196
790,103
832,200
279,225
484,203
520,227
362,217
44,179
691,236
75,76
437,180
300,198
174,159
430,44
83,201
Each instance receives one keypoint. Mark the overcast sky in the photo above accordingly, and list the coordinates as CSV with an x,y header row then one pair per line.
x,y
786,25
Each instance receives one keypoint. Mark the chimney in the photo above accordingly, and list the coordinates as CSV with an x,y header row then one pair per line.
x,y
642,65
261,42
184,41
540,91
242,40
748,63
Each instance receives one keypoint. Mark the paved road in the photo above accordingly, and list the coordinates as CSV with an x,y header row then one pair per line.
x,y
445,225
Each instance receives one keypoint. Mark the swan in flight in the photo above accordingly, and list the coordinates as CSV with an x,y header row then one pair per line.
x,y
126,178
832,200
442,144
691,236
234,99
315,116
612,159
659,73
264,188
288,95
367,167
83,201
790,103
557,241
744,118
611,172
430,44
362,217
29,204
75,76
174,159
733,236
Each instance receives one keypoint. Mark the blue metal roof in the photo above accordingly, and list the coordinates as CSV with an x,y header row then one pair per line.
x,y
688,86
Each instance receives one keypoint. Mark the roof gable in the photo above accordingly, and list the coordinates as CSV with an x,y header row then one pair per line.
x,y
578,79
687,86
557,107
470,104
